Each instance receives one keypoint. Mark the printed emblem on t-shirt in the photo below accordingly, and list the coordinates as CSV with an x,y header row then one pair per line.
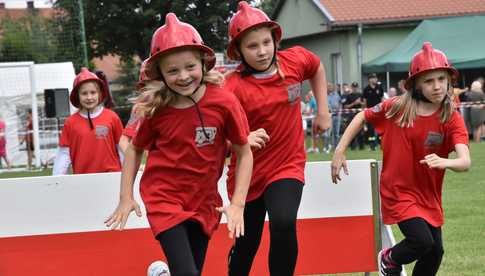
x,y
294,92
101,132
201,139
377,108
433,139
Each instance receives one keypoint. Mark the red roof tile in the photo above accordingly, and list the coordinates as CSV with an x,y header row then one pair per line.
x,y
346,12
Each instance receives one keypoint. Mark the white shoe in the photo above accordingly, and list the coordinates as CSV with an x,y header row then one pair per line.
x,y
158,268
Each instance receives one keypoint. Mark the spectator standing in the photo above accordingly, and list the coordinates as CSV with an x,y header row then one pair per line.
x,y
335,106
372,95
354,101
477,112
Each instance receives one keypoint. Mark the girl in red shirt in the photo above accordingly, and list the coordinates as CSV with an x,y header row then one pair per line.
x,y
188,119
93,129
418,130
268,85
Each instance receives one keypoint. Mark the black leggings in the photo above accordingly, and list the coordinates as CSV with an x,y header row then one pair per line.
x,y
422,243
281,200
184,246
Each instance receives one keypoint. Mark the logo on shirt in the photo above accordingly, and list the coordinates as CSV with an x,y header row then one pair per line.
x,y
101,132
201,139
294,92
433,139
377,108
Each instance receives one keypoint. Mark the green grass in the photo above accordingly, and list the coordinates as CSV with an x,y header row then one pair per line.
x,y
464,204
43,172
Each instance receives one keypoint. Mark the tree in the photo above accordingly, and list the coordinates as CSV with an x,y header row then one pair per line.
x,y
125,27
31,38
268,6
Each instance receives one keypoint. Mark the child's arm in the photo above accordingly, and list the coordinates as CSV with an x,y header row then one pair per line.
x,y
124,143
257,139
62,161
318,84
127,202
235,211
338,160
459,164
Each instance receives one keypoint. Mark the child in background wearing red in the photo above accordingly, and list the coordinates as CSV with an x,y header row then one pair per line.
x,y
89,139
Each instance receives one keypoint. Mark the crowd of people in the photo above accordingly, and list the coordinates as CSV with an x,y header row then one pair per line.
x,y
345,101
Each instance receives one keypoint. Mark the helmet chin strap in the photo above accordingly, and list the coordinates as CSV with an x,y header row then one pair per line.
x,y
90,120
199,113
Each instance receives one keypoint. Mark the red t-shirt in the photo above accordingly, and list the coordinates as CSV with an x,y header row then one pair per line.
x,y
133,124
3,140
93,150
274,104
183,166
410,189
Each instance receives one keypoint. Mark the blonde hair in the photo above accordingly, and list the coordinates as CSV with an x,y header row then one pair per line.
x,y
156,95
404,108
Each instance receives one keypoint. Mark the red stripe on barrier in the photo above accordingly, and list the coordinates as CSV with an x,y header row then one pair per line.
x,y
327,245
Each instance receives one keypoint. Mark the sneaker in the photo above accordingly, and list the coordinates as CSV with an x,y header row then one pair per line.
x,y
309,150
158,268
386,267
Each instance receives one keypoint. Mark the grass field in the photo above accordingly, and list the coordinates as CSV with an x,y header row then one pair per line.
x,y
464,203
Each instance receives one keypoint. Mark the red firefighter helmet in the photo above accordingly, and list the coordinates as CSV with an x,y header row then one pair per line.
x,y
244,20
142,78
82,77
175,35
428,59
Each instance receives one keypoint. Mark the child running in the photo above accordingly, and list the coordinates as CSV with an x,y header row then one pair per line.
x,y
268,85
187,121
418,129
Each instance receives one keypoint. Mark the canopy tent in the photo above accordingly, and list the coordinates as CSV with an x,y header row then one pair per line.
x,y
461,38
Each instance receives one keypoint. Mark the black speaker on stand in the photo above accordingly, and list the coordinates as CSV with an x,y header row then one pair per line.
x,y
57,104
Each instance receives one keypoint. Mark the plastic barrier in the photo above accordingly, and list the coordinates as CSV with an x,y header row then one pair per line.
x,y
54,226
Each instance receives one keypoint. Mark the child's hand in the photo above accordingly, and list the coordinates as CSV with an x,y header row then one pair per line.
x,y
435,162
257,139
338,162
235,219
120,215
322,122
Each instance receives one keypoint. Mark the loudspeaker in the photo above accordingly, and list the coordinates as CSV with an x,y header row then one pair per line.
x,y
56,103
